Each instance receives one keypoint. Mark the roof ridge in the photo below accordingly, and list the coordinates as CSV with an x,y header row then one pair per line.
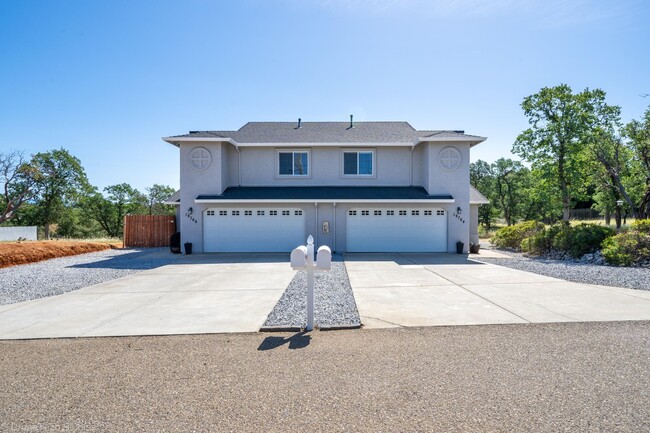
x,y
329,121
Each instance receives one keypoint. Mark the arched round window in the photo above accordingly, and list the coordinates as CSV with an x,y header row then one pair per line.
x,y
200,158
450,158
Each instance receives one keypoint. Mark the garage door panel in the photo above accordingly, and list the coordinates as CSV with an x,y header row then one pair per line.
x,y
253,230
402,230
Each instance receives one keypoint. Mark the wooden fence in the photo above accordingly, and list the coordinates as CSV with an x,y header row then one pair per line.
x,y
148,231
584,214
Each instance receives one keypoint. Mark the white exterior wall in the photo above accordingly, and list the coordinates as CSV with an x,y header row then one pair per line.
x,y
193,183
473,224
259,166
456,183
420,165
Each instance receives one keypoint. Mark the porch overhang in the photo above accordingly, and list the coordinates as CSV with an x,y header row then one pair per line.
x,y
325,194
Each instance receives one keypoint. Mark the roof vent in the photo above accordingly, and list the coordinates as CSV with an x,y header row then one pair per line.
x,y
299,121
459,131
351,122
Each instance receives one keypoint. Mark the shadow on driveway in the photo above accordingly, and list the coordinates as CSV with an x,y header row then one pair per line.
x,y
144,259
296,341
137,259
412,258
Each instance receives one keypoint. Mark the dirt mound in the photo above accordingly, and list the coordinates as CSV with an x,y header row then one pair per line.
x,y
19,253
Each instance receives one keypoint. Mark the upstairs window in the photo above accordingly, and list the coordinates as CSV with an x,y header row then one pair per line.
x,y
293,163
359,163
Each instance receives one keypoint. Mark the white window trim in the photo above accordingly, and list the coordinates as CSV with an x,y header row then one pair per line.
x,y
292,176
342,174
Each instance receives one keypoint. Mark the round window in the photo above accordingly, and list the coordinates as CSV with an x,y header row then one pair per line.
x,y
200,158
450,158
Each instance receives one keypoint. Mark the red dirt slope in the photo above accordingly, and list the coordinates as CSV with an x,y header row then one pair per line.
x,y
18,253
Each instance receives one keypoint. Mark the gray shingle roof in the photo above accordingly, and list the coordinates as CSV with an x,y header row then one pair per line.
x,y
324,193
475,197
327,132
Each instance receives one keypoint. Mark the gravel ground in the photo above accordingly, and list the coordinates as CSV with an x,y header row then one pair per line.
x,y
57,276
334,304
631,278
568,377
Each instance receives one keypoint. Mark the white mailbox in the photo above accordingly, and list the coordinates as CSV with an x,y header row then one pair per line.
x,y
324,258
299,258
303,258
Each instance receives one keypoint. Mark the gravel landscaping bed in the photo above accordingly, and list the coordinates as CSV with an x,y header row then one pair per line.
x,y
334,304
57,276
631,278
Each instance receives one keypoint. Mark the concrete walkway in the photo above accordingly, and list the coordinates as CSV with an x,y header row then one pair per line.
x,y
393,290
200,294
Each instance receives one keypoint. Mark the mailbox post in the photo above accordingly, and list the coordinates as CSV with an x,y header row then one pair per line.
x,y
302,258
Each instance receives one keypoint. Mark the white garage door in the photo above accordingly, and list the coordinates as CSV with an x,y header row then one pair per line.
x,y
253,230
396,230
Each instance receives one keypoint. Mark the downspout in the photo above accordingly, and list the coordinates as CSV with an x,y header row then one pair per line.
x,y
334,228
411,166
238,165
316,231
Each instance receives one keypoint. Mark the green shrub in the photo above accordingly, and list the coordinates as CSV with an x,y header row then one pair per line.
x,y
581,239
626,249
573,240
512,236
542,241
642,226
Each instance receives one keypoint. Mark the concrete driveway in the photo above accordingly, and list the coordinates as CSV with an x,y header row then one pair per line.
x,y
394,290
214,293
199,294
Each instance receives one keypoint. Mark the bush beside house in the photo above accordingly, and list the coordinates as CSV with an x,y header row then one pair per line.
x,y
512,236
629,248
575,241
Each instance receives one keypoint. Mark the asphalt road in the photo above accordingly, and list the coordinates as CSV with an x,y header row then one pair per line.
x,y
539,377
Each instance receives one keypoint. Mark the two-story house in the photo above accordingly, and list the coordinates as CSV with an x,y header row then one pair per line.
x,y
357,187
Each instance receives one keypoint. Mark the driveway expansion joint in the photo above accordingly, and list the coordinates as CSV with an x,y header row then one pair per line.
x,y
495,304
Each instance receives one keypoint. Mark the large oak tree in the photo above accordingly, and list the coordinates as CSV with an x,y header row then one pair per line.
x,y
560,122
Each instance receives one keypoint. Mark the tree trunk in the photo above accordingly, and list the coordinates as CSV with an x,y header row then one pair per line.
x,y
564,188
608,217
47,231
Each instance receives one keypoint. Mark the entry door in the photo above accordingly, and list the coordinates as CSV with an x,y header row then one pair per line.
x,y
253,230
372,229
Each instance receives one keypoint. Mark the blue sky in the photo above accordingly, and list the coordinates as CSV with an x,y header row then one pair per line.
x,y
107,79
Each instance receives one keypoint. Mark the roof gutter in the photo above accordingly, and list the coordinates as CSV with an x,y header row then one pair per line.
x,y
473,141
307,200
176,141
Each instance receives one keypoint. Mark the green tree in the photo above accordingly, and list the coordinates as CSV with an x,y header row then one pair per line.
x,y
542,199
18,177
74,224
61,181
638,134
156,196
510,182
110,208
560,120
482,178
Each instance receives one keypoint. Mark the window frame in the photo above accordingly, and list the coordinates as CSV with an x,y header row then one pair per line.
x,y
372,151
292,152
